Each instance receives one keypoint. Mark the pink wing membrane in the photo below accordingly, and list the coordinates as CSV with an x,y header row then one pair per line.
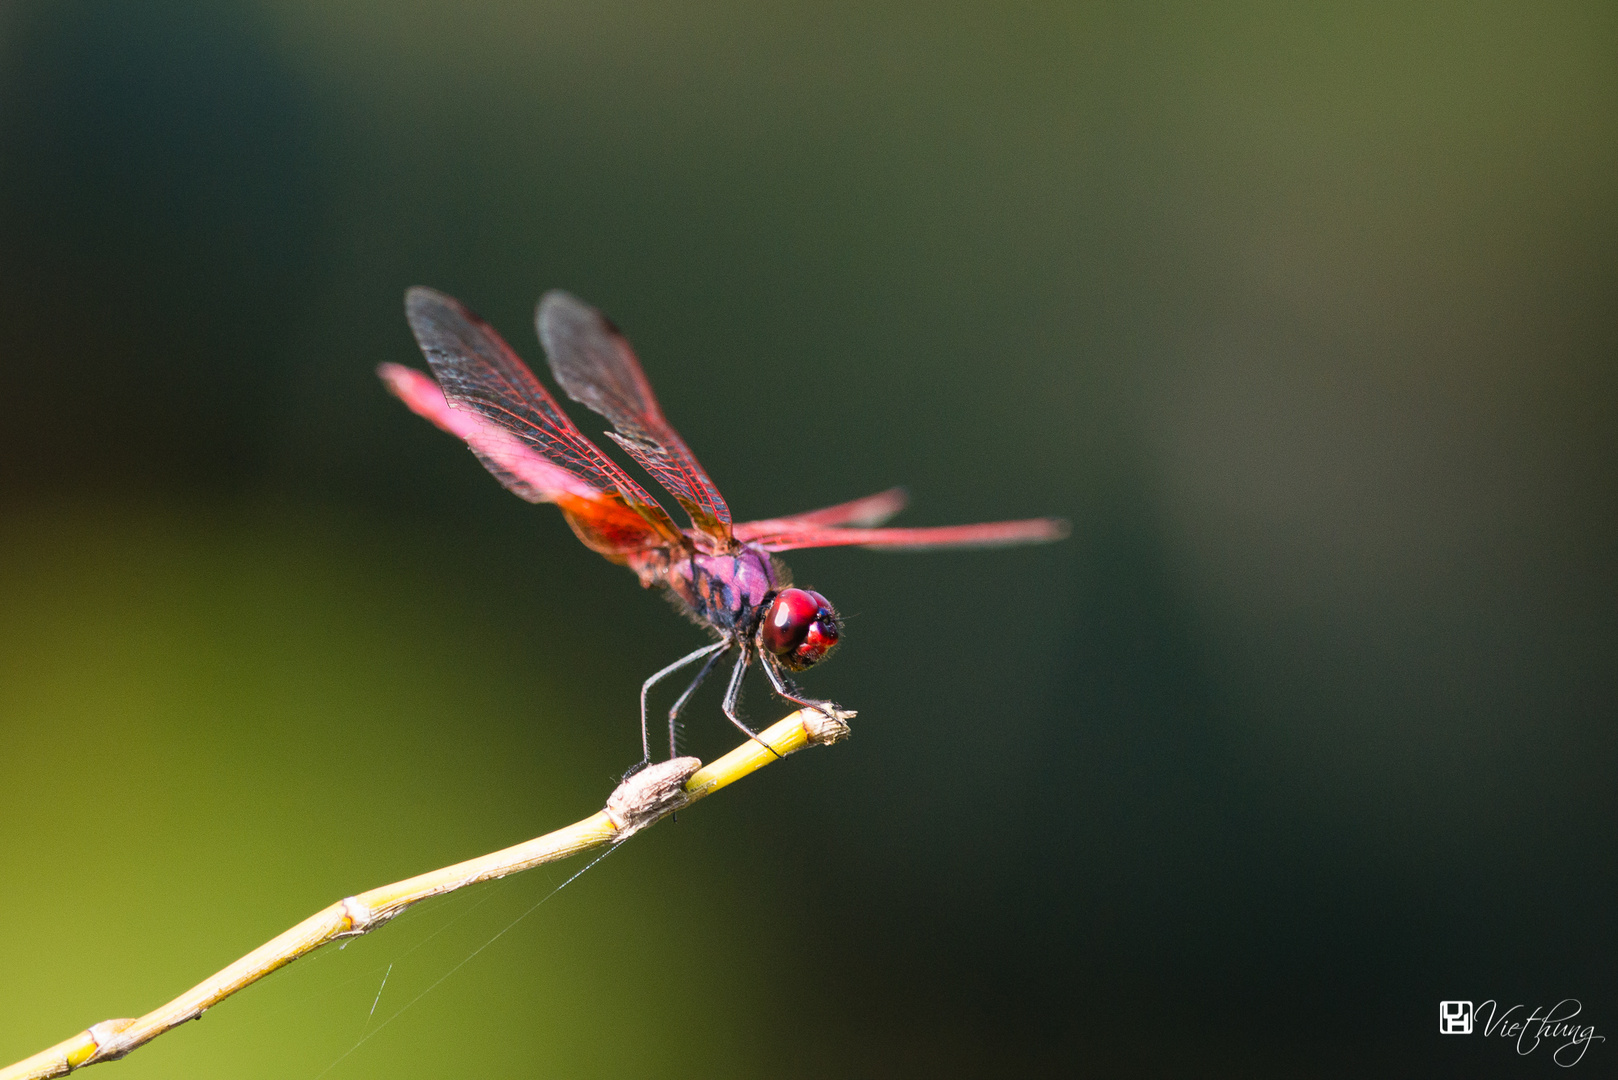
x,y
871,510
519,468
488,397
478,371
601,519
988,534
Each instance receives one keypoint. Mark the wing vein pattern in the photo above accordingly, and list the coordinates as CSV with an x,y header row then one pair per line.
x,y
595,365
479,373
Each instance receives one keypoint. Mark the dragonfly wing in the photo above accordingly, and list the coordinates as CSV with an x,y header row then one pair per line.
x,y
512,461
596,367
490,399
871,510
988,534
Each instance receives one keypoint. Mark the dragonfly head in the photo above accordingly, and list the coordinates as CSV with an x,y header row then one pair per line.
x,y
799,628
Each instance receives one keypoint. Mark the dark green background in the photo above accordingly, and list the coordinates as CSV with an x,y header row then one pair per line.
x,y
1305,318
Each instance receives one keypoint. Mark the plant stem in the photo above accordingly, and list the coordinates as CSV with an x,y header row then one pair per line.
x,y
639,801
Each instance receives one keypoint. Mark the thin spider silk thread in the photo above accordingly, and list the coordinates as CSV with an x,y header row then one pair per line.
x,y
378,1029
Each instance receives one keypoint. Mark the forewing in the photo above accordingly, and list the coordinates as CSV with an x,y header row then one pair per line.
x,y
989,534
596,367
871,510
492,401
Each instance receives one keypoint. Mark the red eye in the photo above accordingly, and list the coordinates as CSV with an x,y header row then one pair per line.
x,y
799,628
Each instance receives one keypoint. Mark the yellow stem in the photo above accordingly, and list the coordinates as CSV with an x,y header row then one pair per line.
x,y
638,802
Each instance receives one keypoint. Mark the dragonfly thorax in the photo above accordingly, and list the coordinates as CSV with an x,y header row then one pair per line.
x,y
726,592
746,596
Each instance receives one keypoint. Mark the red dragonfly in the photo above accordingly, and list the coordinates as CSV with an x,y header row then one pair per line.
x,y
723,575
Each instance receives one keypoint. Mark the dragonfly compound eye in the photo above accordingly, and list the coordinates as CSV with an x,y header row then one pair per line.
x,y
799,628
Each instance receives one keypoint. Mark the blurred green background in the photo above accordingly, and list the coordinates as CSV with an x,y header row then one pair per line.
x,y
1305,317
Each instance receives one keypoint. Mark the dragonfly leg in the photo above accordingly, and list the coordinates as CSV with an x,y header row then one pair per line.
x,y
645,732
733,692
785,688
679,704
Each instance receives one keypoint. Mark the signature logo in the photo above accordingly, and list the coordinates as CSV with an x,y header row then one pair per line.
x,y
1455,1018
1530,1030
